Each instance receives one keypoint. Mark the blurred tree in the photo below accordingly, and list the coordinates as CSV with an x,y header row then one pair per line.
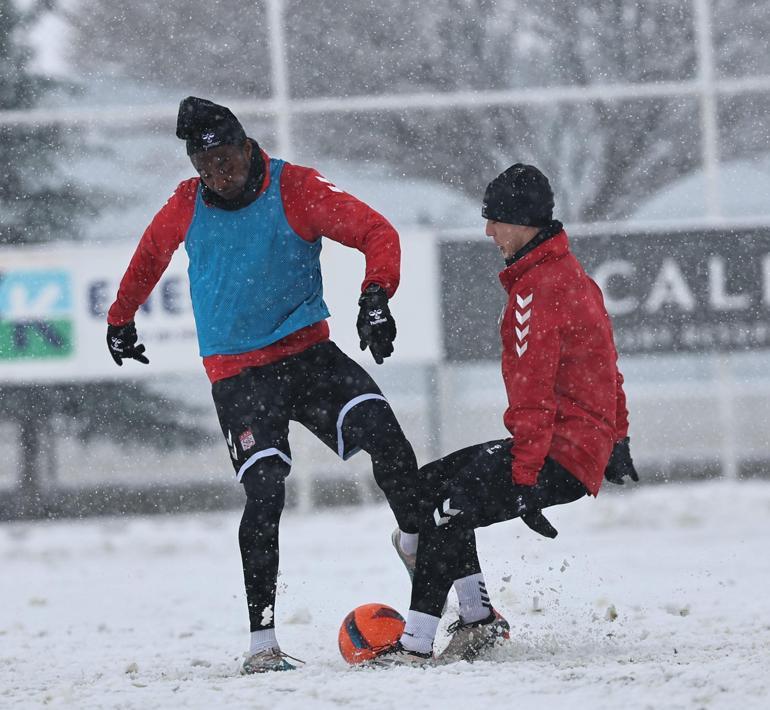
x,y
741,28
36,203
600,155
603,156
201,46
128,412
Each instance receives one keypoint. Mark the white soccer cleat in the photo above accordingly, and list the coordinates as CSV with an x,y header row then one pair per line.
x,y
267,661
470,640
410,561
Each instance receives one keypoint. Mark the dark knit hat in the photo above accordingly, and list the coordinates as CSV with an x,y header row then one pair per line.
x,y
206,125
519,195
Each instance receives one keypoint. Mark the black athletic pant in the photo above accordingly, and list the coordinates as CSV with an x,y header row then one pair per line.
x,y
472,488
339,402
258,538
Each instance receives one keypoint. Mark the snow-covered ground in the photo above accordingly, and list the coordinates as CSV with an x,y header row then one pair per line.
x,y
649,598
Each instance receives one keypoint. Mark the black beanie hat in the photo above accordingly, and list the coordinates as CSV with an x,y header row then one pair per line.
x,y
205,125
519,195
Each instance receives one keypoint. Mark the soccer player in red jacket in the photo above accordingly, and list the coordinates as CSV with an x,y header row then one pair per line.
x,y
252,228
566,415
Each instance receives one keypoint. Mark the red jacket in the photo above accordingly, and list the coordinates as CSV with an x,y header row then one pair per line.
x,y
314,208
565,392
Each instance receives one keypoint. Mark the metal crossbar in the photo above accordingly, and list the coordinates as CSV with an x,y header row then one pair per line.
x,y
269,107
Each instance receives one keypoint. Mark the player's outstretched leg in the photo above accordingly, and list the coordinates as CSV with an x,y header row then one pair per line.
x,y
463,473
468,489
264,485
447,552
372,426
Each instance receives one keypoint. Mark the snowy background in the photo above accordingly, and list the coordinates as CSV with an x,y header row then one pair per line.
x,y
645,115
649,598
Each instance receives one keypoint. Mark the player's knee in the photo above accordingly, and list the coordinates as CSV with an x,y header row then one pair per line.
x,y
264,484
373,427
264,480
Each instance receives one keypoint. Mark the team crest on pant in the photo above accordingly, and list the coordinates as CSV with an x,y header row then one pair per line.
x,y
247,440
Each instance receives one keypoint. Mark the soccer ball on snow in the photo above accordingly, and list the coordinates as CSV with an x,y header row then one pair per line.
x,y
368,629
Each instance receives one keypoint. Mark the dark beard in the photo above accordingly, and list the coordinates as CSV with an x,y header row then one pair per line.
x,y
250,190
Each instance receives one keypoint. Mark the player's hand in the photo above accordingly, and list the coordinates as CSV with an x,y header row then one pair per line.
x,y
532,516
621,464
121,341
376,327
538,523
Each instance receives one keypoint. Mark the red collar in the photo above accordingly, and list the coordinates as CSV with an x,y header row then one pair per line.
x,y
552,248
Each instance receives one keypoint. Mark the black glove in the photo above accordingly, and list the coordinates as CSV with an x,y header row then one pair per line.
x,y
121,341
537,522
530,514
376,327
620,464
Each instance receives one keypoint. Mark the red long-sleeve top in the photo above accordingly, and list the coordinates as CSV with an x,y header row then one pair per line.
x,y
314,207
565,392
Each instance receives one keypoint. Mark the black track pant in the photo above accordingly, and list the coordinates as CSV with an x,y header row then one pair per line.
x,y
469,489
258,538
370,426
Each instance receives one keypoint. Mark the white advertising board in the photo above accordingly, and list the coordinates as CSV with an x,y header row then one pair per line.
x,y
53,301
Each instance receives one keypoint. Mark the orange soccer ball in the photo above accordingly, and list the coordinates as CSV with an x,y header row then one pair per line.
x,y
367,630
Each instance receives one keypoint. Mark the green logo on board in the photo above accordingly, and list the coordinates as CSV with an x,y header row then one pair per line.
x,y
35,315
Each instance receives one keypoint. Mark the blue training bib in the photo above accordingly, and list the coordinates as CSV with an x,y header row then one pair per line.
x,y
253,279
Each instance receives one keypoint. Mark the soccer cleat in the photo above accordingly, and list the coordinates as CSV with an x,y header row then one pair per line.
x,y
410,561
271,659
471,639
397,655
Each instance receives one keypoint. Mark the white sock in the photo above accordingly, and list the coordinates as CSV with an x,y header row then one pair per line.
x,y
262,640
419,632
408,542
473,597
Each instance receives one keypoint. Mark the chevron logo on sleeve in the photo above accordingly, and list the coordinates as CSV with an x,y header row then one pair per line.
x,y
328,183
523,312
444,514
